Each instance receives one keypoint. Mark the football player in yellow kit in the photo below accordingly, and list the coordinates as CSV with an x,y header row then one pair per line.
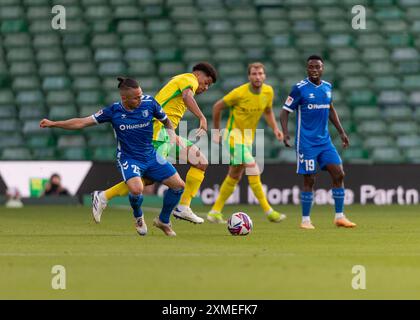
x,y
176,97
246,103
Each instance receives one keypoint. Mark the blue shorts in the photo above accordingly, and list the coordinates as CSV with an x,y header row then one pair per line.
x,y
156,168
308,160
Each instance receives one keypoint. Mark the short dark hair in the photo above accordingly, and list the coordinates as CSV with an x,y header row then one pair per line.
x,y
125,83
315,57
208,69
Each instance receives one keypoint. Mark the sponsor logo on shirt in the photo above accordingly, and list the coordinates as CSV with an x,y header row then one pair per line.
x,y
318,106
123,127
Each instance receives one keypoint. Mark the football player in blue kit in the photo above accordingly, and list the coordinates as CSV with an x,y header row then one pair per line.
x,y
311,98
131,119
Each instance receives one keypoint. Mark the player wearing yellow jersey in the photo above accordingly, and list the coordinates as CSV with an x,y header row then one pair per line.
x,y
247,103
175,98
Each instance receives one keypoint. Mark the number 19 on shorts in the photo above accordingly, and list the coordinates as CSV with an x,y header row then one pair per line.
x,y
310,165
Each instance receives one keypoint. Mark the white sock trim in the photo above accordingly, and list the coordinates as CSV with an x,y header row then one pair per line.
x,y
339,215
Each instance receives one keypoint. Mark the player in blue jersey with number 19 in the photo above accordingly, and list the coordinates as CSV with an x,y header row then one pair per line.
x,y
131,119
311,98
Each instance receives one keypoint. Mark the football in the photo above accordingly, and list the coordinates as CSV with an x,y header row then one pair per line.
x,y
239,224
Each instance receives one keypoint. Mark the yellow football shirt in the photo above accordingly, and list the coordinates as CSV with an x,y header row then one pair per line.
x,y
246,109
170,98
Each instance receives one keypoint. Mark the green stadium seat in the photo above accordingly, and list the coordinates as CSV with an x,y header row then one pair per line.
x,y
108,41
141,54
372,142
107,54
43,153
27,112
404,54
9,125
403,128
408,141
273,27
11,140
86,83
171,68
372,127
127,12
350,68
339,40
134,40
6,97
386,82
339,55
70,141
387,155
199,54
82,69
89,97
16,154
20,54
7,111
39,141
252,41
113,69
332,26
414,98
33,97
25,83
396,113
11,12
101,140
88,110
74,40
285,54
362,97
231,68
40,27
375,54
16,40
60,97
228,54
354,82
380,68
51,41
184,12
55,83
280,40
411,82
98,12
74,153
63,112
49,55
354,155
413,155
392,97
370,40
104,153
188,41
52,69
13,26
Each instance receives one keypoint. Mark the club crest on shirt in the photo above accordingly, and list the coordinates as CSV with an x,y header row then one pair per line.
x,y
289,101
329,94
145,113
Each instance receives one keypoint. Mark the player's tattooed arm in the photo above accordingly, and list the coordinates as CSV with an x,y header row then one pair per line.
x,y
337,124
188,97
271,121
70,124
284,119
217,116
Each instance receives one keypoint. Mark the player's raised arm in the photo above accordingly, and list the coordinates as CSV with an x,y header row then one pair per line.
x,y
271,121
217,116
188,97
337,124
70,124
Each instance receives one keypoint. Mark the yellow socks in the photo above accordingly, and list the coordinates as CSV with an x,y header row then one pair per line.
x,y
257,188
192,183
119,189
227,188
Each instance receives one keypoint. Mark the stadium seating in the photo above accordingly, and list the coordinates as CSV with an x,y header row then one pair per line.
x,y
69,73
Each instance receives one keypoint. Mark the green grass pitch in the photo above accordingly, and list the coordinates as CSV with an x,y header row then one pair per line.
x,y
276,261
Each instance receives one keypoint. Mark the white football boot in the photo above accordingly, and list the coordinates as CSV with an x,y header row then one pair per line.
x,y
188,215
141,226
98,206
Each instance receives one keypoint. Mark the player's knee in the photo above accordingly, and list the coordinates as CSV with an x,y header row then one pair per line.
x,y
136,190
339,177
309,182
180,184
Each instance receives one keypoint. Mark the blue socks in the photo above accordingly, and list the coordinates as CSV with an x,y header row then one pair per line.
x,y
170,200
136,201
306,199
338,195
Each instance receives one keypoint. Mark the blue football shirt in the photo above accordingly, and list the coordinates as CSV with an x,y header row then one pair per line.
x,y
133,128
312,104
